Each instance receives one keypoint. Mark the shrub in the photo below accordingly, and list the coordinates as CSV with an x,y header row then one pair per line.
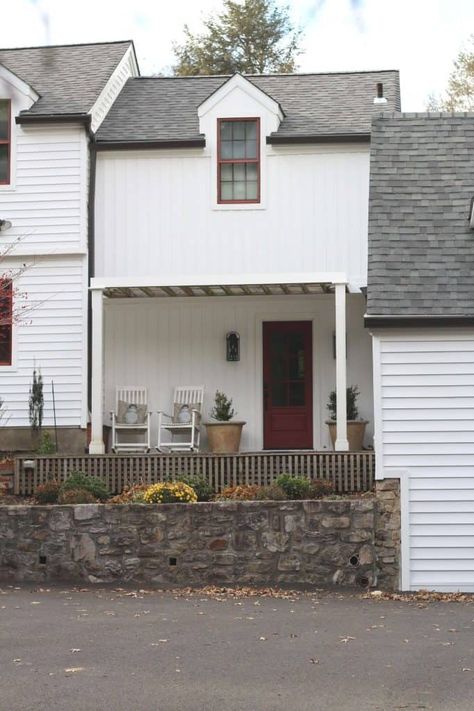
x,y
46,445
222,410
294,487
48,492
79,480
169,492
201,486
352,411
319,488
244,492
76,496
271,493
131,494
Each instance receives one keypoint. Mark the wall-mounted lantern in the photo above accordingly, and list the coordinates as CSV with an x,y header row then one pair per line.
x,y
232,346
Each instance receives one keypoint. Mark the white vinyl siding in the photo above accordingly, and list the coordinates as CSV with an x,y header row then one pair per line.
x,y
425,434
47,204
52,339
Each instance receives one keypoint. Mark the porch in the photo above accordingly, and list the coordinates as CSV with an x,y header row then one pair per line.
x,y
350,472
160,333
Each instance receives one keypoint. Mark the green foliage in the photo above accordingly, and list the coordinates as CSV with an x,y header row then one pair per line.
x,y
76,496
222,410
46,445
320,488
36,401
352,410
201,486
79,480
294,487
48,492
250,37
271,493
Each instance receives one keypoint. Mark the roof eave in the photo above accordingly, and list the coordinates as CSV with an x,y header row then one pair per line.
x,y
141,145
417,321
53,118
275,139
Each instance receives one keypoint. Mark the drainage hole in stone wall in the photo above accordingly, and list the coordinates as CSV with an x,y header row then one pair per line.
x,y
363,581
173,561
42,560
354,560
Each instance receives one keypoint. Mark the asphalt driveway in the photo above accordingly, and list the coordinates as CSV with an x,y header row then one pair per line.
x,y
105,650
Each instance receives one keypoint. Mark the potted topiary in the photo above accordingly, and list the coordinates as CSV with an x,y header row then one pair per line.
x,y
224,434
355,426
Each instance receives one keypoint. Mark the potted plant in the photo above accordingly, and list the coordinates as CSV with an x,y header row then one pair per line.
x,y
224,434
355,426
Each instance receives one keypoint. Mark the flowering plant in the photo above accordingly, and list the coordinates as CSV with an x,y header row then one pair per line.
x,y
169,493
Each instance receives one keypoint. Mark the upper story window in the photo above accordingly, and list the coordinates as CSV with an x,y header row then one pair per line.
x,y
238,160
5,141
6,321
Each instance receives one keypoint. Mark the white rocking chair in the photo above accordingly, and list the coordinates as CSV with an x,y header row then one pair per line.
x,y
131,417
185,422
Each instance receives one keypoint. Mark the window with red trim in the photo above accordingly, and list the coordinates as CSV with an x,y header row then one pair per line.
x,y
5,141
238,160
6,321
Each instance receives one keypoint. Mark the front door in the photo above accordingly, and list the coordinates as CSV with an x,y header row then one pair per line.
x,y
287,385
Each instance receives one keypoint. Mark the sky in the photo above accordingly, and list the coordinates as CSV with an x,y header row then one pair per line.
x,y
421,38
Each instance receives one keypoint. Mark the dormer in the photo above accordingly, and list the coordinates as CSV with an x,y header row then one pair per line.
x,y
236,119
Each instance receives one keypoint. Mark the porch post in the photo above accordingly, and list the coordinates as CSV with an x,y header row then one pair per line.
x,y
341,443
97,372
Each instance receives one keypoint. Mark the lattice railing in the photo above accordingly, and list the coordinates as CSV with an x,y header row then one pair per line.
x,y
349,471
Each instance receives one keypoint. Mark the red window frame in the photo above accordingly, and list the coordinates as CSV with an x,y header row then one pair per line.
x,y
8,141
222,161
6,318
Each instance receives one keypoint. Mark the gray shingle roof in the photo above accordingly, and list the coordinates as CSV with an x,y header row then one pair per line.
x,y
421,250
68,78
165,108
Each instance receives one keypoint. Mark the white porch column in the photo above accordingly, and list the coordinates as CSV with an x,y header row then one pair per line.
x,y
341,444
97,371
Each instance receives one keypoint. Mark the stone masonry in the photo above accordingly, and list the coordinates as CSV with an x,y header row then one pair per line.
x,y
387,533
290,543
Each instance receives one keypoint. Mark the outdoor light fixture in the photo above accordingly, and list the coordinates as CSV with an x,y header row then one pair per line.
x,y
471,215
232,346
5,225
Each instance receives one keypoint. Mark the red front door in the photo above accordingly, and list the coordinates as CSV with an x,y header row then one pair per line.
x,y
287,385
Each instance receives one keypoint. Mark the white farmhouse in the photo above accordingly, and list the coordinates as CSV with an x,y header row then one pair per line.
x,y
52,101
237,205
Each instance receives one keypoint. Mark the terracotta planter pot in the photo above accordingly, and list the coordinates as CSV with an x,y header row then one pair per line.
x,y
224,437
355,433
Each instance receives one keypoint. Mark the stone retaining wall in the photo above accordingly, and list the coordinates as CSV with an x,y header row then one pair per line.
x,y
312,543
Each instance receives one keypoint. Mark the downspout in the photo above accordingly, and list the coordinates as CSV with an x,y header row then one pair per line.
x,y
91,256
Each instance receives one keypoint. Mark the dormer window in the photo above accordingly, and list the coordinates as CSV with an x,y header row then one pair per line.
x,y
5,141
238,160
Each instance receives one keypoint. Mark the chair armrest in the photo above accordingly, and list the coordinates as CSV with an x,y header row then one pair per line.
x,y
164,414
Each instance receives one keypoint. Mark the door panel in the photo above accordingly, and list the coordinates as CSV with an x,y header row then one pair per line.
x,y
287,385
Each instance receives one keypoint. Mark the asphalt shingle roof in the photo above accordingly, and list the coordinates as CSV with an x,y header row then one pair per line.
x,y
421,249
165,108
68,78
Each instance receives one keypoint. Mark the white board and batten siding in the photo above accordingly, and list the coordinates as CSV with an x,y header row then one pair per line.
x,y
155,215
424,401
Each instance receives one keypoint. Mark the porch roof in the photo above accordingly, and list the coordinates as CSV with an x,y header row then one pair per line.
x,y
220,285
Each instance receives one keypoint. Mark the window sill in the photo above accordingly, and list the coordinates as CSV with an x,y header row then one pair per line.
x,y
239,206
